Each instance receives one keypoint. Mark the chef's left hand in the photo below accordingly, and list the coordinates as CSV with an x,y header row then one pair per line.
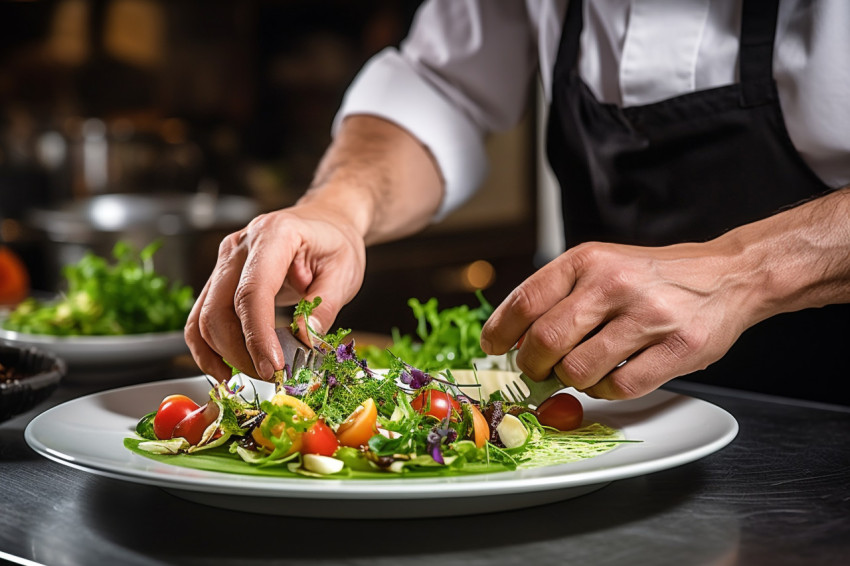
x,y
668,311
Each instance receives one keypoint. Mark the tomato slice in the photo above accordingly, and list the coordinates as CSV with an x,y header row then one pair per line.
x,y
172,410
320,439
561,411
360,426
437,404
480,428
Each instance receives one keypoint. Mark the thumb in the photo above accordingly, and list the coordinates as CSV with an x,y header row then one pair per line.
x,y
335,290
321,319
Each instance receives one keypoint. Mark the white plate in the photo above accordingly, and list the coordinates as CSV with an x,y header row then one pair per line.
x,y
96,355
88,433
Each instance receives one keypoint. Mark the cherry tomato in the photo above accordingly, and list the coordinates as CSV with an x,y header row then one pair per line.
x,y
360,426
302,409
561,411
435,403
14,278
172,410
320,439
480,428
192,427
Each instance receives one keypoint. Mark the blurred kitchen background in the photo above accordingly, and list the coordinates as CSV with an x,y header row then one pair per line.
x,y
182,119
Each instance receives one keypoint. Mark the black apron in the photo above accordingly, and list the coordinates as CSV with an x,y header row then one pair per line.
x,y
688,169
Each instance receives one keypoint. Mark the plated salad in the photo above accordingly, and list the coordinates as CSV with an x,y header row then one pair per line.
x,y
333,416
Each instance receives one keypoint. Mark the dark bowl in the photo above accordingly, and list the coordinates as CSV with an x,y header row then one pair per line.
x,y
36,376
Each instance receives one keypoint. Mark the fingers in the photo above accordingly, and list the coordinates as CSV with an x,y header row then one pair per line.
x,y
526,304
334,297
592,360
279,258
218,323
557,332
208,360
652,367
261,277
664,310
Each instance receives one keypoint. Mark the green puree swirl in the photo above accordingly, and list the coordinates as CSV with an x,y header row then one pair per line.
x,y
564,447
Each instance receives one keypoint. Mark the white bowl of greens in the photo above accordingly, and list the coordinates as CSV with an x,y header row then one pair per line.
x,y
113,316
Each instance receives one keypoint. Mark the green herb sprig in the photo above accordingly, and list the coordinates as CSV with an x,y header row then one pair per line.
x,y
445,338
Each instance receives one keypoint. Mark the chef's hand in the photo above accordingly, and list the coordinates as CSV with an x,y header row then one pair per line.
x,y
279,258
375,183
667,311
672,310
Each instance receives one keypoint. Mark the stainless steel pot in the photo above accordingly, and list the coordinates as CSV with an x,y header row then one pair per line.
x,y
190,227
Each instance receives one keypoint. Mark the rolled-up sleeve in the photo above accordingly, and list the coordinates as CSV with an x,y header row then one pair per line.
x,y
464,71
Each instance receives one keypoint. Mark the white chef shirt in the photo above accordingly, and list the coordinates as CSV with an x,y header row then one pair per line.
x,y
467,69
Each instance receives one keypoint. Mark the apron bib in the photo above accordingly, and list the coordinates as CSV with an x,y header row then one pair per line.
x,y
688,169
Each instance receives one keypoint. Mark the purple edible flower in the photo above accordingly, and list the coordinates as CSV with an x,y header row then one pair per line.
x,y
435,439
345,352
331,381
415,378
295,390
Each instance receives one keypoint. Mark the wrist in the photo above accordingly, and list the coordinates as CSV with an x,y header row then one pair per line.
x,y
380,178
340,203
796,259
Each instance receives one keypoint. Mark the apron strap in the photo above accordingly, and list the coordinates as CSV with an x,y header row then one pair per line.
x,y
570,43
758,30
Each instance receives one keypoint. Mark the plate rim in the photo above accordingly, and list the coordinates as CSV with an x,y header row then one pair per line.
x,y
89,340
477,485
104,355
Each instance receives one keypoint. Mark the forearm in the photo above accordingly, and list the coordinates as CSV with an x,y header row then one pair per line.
x,y
799,258
378,178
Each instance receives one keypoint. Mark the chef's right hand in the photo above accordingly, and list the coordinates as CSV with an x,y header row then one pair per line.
x,y
279,258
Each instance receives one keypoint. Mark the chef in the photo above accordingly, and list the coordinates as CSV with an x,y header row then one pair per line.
x,y
702,148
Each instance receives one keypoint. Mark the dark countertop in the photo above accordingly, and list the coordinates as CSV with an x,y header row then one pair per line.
x,y
779,494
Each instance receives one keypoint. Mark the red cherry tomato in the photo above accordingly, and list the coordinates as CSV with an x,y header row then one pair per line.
x,y
172,410
561,411
435,403
320,439
193,426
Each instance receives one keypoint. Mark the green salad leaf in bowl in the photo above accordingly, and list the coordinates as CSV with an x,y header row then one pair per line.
x,y
106,298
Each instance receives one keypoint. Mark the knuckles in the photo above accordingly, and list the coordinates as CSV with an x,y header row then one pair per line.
x,y
243,296
619,386
550,340
206,322
524,301
578,371
228,244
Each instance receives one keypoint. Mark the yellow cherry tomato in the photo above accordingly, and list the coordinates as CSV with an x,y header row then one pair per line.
x,y
360,426
302,410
